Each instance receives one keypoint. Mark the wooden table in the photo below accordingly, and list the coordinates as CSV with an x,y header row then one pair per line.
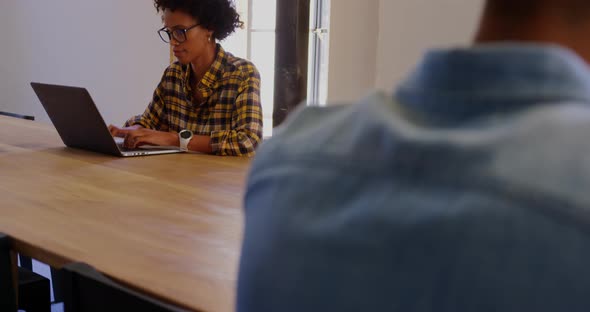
x,y
167,225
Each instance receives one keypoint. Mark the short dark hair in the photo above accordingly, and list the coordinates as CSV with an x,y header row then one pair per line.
x,y
513,8
217,15
523,9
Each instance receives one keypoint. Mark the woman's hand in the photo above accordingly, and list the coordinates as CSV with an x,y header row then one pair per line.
x,y
135,137
121,132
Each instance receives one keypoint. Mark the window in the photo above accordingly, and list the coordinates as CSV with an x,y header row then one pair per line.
x,y
319,44
256,42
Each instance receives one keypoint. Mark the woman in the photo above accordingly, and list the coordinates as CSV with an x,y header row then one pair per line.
x,y
209,100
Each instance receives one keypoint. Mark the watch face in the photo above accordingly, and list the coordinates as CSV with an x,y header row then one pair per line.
x,y
185,134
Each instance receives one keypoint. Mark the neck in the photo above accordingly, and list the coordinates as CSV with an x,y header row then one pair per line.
x,y
542,28
201,65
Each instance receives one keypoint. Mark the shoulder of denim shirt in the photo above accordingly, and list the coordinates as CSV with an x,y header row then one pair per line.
x,y
338,133
544,147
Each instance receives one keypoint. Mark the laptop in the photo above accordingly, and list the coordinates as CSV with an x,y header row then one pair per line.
x,y
80,125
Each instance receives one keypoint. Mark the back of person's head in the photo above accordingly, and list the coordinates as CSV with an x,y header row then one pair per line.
x,y
524,9
560,22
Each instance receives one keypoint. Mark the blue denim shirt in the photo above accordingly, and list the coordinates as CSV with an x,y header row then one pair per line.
x,y
469,190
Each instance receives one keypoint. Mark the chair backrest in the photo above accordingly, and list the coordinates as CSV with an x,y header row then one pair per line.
x,y
87,290
17,115
7,291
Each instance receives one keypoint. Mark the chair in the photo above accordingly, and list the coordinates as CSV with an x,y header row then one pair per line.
x,y
86,290
7,291
33,289
17,115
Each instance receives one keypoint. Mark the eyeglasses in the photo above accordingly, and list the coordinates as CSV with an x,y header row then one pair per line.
x,y
178,34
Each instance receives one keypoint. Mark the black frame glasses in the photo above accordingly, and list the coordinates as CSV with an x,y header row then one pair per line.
x,y
178,34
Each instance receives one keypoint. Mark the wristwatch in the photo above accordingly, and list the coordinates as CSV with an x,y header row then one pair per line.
x,y
185,137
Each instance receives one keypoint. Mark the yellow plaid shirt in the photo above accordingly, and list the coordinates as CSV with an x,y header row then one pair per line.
x,y
230,112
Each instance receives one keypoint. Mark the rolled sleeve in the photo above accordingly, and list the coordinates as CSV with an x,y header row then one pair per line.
x,y
246,133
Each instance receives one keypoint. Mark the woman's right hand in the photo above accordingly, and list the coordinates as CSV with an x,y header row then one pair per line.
x,y
121,132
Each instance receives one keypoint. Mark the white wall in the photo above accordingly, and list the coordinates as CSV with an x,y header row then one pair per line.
x,y
409,27
375,43
108,46
354,26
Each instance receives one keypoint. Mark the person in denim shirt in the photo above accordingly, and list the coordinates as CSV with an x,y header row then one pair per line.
x,y
467,190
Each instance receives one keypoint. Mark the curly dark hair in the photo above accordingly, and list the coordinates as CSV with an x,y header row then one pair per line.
x,y
217,15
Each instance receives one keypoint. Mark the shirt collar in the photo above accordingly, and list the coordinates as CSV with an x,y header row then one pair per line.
x,y
210,80
454,86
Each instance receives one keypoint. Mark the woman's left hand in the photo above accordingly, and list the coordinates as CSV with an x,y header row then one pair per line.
x,y
138,137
